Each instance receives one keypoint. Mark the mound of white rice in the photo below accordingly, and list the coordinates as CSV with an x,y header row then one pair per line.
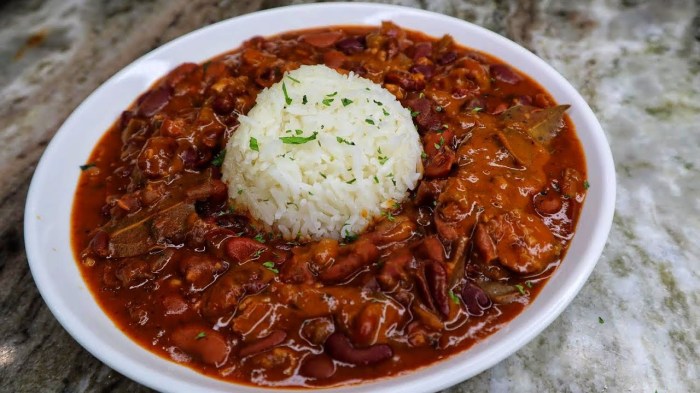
x,y
321,154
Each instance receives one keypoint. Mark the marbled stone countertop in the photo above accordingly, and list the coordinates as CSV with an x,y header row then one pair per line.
x,y
634,326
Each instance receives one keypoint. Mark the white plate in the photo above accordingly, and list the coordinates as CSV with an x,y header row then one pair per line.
x,y
47,214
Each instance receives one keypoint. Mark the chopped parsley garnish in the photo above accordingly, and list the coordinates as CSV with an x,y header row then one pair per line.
x,y
298,140
328,101
437,146
385,112
377,102
520,289
269,265
349,237
391,176
253,144
415,113
332,94
477,109
388,215
351,181
200,336
346,101
586,185
376,179
293,78
454,297
343,140
240,191
260,238
304,100
600,320
219,158
369,121
286,96
529,284
383,159
298,132
257,254
323,175
87,166
423,154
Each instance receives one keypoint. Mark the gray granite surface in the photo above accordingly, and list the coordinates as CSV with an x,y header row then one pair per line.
x,y
635,325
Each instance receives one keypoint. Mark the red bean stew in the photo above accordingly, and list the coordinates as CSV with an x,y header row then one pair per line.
x,y
190,278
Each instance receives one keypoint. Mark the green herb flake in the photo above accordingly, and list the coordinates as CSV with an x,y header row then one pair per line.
x,y
253,144
269,265
293,79
477,109
332,94
298,132
260,238
385,112
377,102
304,100
200,336
454,297
240,191
383,159
423,154
415,113
529,284
257,254
286,96
376,179
323,175
437,146
298,140
351,181
388,215
600,320
346,101
369,121
343,140
87,166
349,237
520,289
328,101
219,158
586,185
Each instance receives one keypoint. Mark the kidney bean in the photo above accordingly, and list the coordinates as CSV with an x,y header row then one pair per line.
x,y
394,270
427,70
317,330
223,296
317,367
425,117
475,299
339,347
273,339
406,80
323,39
428,191
241,249
363,253
504,73
436,275
430,248
174,304
158,157
201,342
447,58
484,245
440,164
334,59
201,270
422,49
154,101
421,283
99,244
351,45
547,204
